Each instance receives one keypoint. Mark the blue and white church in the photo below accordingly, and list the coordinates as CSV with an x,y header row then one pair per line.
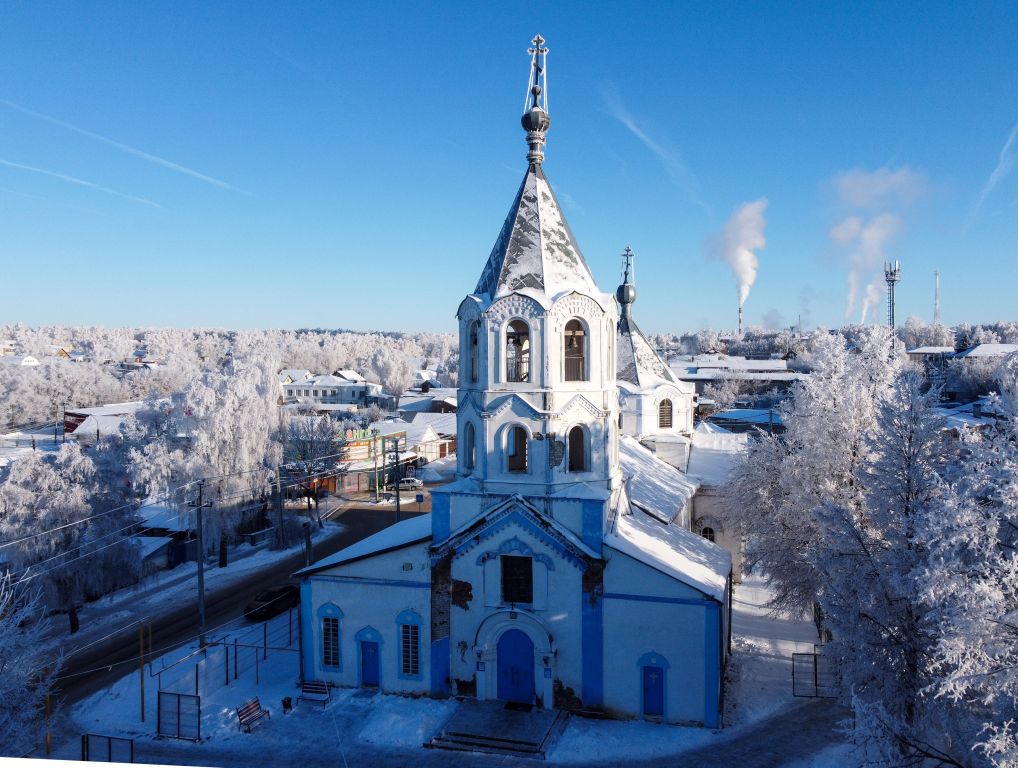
x,y
558,569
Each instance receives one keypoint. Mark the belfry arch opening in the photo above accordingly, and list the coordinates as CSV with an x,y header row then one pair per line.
x,y
516,449
577,448
575,351
517,351
474,344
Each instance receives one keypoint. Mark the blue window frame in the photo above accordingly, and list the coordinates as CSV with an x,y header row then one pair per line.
x,y
408,665
329,620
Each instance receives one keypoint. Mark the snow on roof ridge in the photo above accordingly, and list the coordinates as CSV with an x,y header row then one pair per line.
x,y
535,248
672,550
401,534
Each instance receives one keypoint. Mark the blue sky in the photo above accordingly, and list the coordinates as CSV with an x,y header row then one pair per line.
x,y
349,165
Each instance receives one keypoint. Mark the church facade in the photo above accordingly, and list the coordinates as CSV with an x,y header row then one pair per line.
x,y
558,569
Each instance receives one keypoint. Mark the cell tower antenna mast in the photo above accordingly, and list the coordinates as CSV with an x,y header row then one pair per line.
x,y
892,274
936,297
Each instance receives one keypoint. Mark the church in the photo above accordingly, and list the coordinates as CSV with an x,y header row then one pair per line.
x,y
558,569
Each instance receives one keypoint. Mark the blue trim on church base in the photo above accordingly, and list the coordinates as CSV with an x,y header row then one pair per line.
x,y
440,669
712,665
592,523
592,642
439,517
307,632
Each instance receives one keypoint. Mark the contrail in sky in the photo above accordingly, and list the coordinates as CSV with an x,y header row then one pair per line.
x,y
670,157
82,182
125,148
1005,164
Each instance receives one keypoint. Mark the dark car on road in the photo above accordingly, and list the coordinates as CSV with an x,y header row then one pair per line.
x,y
272,601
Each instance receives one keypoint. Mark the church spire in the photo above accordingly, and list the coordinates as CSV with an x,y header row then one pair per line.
x,y
626,293
535,107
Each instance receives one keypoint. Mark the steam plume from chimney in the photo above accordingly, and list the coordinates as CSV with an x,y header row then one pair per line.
x,y
737,243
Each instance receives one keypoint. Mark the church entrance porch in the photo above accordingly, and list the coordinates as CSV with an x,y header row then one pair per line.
x,y
515,667
515,659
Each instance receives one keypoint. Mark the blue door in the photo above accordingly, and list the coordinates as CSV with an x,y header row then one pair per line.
x,y
653,692
369,663
516,667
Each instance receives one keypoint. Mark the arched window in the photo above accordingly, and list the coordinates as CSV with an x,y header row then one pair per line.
x,y
577,450
664,414
517,351
330,615
469,447
708,533
409,624
575,351
516,449
474,350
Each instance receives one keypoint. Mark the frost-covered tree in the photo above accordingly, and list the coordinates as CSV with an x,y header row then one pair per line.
x,y
395,373
972,580
25,672
908,549
312,448
66,538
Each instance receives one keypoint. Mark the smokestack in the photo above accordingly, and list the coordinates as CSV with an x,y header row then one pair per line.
x,y
740,321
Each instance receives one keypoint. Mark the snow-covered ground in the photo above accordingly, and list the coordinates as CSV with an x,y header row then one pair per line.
x,y
14,444
386,729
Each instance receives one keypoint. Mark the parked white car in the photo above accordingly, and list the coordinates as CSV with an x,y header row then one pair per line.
x,y
410,484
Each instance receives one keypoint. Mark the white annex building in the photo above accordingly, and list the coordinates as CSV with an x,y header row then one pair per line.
x,y
558,568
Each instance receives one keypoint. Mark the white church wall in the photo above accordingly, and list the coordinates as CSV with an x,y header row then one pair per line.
x,y
552,620
709,510
371,594
674,630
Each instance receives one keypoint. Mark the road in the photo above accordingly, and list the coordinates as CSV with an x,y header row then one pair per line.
x,y
177,625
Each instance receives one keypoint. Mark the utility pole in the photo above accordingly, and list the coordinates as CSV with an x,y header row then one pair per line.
x,y
279,511
199,506
397,475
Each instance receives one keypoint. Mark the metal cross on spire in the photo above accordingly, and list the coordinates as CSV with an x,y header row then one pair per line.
x,y
538,72
535,107
627,265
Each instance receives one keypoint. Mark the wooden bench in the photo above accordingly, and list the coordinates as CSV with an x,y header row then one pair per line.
x,y
251,713
315,690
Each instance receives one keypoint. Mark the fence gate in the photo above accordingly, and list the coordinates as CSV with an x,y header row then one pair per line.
x,y
815,675
106,749
179,715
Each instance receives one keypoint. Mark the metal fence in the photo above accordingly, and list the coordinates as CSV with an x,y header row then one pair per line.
x,y
814,675
106,749
230,657
179,716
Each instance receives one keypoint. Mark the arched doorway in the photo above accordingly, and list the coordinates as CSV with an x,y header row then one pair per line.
x,y
516,667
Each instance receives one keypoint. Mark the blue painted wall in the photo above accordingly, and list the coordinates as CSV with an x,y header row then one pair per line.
x,y
440,685
439,517
592,629
712,665
307,631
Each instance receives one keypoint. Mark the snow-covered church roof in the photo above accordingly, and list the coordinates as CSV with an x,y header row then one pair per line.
x,y
670,549
536,248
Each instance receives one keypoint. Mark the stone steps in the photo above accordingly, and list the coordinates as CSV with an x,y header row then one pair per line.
x,y
482,739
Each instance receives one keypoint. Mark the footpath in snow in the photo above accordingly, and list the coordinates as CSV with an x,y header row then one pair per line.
x,y
765,724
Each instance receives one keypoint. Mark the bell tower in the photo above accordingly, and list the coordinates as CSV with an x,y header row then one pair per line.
x,y
538,405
